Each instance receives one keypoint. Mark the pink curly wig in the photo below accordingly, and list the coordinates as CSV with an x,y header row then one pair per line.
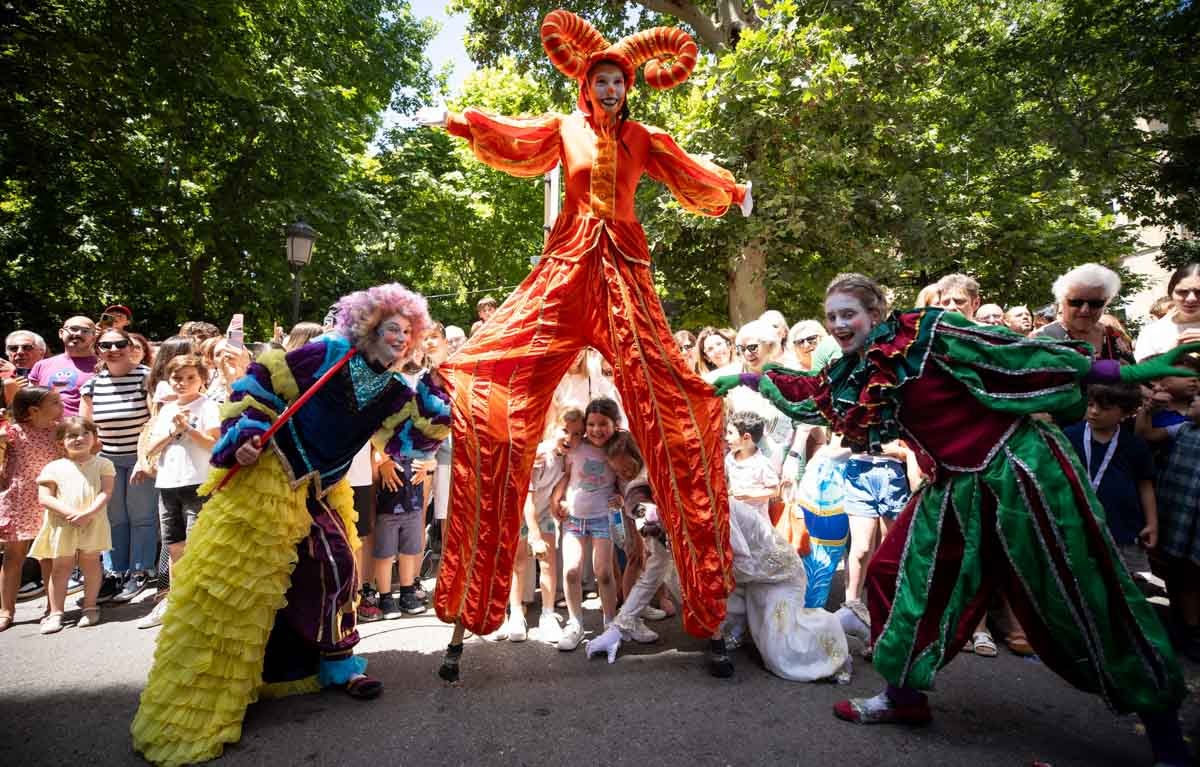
x,y
360,312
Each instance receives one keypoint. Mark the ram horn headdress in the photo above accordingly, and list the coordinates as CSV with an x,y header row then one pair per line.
x,y
574,47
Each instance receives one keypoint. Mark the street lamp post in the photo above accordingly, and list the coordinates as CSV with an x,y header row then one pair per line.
x,y
300,241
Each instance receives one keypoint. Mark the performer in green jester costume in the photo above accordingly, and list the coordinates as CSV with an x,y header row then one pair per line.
x,y
1009,506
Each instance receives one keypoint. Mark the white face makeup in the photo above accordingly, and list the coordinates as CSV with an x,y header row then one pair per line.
x,y
848,321
607,87
392,341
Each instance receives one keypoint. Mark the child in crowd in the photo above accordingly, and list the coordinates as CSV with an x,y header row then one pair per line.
x,y
582,503
158,385
1167,410
1119,465
751,477
74,492
1179,527
363,480
181,439
399,524
627,463
540,531
26,446
484,308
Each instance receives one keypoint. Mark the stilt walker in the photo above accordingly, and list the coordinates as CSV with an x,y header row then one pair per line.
x,y
592,287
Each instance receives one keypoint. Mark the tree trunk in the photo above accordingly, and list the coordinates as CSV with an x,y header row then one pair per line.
x,y
748,284
196,272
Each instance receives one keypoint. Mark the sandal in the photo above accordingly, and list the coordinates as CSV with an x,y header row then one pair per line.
x,y
6,622
363,687
1019,645
984,645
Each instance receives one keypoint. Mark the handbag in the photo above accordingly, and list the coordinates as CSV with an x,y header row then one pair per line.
x,y
791,526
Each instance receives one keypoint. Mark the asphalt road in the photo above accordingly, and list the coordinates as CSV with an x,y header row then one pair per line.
x,y
69,698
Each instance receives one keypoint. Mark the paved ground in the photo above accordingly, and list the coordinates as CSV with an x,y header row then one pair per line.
x,y
70,697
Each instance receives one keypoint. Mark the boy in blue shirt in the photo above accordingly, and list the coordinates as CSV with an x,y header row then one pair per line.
x,y
1121,469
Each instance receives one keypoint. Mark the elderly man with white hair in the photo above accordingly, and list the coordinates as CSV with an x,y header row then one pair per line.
x,y
1082,295
990,314
23,350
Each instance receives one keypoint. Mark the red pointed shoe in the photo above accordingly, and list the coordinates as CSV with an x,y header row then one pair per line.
x,y
855,710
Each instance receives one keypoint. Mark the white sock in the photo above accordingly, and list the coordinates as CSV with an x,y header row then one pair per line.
x,y
878,703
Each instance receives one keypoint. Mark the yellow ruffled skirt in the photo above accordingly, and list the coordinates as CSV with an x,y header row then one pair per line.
x,y
224,595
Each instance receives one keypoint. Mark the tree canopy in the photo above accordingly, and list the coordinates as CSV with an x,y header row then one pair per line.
x,y
151,152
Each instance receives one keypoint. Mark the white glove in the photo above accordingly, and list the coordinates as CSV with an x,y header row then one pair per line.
x,y
748,201
432,117
608,643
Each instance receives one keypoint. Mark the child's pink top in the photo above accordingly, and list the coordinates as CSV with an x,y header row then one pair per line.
x,y
29,450
591,484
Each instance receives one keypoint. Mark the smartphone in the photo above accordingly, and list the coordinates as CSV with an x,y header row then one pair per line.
x,y
235,334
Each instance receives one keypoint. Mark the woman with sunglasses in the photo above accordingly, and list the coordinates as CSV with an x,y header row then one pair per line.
x,y
687,347
802,341
117,399
1082,295
1181,325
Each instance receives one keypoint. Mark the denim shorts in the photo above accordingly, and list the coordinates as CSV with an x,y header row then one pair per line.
x,y
876,486
547,524
599,527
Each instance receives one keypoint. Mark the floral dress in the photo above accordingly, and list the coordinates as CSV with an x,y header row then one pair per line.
x,y
29,450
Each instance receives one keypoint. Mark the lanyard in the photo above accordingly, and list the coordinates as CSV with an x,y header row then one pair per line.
x,y
1108,454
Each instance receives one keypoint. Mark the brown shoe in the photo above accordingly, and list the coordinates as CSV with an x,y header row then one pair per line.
x,y
1019,645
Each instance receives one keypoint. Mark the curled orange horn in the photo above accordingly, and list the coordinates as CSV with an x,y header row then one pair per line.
x,y
569,42
669,54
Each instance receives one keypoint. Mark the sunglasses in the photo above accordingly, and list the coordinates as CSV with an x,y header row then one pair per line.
x,y
687,347
108,346
752,348
1183,293
20,348
1094,303
79,330
806,341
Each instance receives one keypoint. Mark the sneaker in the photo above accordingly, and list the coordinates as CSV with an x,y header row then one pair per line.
x,y
368,606
389,606
410,604
518,631
549,629
652,613
419,590
91,617
31,590
52,624
135,584
572,635
154,617
75,582
641,634
109,588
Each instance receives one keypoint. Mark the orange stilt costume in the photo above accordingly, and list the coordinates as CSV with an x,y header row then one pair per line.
x,y
592,287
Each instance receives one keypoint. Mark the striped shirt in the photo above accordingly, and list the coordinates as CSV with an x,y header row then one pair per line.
x,y
119,408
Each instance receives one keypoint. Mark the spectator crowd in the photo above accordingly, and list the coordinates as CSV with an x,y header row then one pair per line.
x,y
105,445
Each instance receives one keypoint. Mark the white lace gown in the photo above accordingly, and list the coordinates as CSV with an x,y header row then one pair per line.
x,y
797,643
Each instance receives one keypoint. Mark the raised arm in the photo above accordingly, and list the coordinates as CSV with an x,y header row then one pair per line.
x,y
699,185
519,146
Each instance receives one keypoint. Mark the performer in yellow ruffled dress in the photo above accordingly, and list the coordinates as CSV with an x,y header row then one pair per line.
x,y
264,603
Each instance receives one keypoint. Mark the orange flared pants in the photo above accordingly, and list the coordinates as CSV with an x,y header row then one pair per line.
x,y
502,384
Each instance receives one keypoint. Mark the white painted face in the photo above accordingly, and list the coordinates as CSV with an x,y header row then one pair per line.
x,y
392,341
606,85
848,321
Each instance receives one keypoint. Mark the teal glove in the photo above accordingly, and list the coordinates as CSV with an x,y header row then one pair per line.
x,y
1161,366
